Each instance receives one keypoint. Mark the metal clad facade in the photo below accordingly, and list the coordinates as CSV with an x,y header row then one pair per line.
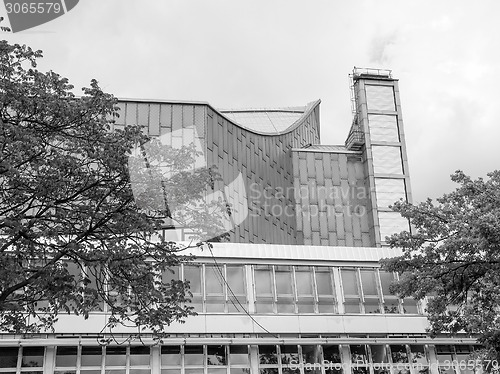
x,y
264,162
332,208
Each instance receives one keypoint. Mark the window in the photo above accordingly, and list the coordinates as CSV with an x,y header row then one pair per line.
x,y
325,289
369,284
66,359
351,293
282,359
305,289
216,355
380,359
236,287
332,359
214,289
311,359
195,359
93,359
399,356
264,287
192,274
170,356
367,291
22,359
456,359
359,359
284,289
139,360
217,288
391,302
92,274
8,357
389,359
419,359
294,289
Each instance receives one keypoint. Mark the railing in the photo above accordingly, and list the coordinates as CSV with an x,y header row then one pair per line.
x,y
360,72
355,139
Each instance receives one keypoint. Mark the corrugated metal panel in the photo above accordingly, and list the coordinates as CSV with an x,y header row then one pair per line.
x,y
335,169
166,116
388,191
260,159
391,223
383,128
121,119
380,98
323,226
154,119
199,120
327,168
131,114
316,240
143,115
387,160
187,116
343,166
176,117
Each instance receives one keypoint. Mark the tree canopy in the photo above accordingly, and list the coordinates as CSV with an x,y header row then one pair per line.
x,y
453,256
73,236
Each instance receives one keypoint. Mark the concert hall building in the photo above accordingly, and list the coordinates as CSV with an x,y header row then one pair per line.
x,y
297,289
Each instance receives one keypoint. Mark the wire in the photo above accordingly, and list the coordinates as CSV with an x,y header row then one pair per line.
x,y
221,279
232,293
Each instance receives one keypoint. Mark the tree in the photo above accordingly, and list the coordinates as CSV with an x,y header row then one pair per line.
x,y
73,236
453,255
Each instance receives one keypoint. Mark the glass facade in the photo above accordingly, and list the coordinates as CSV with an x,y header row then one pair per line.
x,y
215,288
286,289
294,289
366,290
373,358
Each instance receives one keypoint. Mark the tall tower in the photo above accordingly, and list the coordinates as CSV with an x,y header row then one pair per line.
x,y
377,131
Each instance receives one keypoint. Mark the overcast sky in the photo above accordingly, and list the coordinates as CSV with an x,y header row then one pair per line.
x,y
271,53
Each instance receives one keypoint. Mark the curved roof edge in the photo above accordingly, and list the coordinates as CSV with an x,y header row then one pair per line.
x,y
305,110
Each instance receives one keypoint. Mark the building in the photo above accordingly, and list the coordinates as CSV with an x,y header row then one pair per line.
x,y
298,288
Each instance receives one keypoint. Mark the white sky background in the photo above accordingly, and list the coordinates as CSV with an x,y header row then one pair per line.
x,y
271,53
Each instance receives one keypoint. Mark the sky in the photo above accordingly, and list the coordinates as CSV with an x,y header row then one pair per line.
x,y
279,53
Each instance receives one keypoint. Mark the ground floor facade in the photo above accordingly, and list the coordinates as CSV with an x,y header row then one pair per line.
x,y
262,309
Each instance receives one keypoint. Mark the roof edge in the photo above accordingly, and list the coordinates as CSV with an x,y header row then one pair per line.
x,y
308,110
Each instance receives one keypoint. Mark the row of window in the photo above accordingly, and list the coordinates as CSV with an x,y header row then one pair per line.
x,y
292,289
236,359
234,288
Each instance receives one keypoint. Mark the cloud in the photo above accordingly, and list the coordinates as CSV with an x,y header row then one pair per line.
x,y
380,48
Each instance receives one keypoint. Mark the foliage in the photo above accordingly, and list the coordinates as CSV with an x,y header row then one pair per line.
x,y
453,254
72,236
